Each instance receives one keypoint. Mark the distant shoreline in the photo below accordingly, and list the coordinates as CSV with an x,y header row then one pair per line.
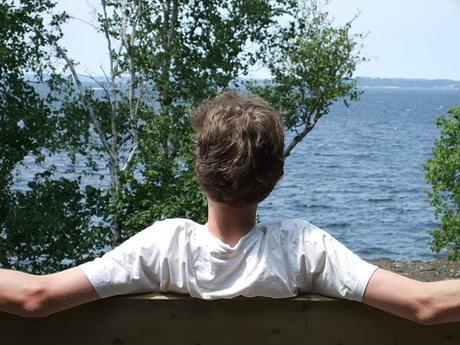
x,y
362,82
397,83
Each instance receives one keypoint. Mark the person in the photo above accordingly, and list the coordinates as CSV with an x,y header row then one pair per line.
x,y
239,159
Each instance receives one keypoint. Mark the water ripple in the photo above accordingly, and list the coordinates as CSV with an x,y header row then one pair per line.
x,y
359,173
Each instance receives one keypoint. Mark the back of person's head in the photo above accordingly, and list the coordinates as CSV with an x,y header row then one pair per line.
x,y
240,148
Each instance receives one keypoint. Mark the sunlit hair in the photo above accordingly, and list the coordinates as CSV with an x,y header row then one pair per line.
x,y
240,148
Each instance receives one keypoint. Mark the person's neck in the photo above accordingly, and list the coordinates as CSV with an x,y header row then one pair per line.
x,y
228,223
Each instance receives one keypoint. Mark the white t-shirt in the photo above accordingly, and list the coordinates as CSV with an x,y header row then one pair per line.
x,y
278,260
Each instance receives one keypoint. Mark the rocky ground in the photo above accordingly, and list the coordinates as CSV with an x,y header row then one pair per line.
x,y
422,270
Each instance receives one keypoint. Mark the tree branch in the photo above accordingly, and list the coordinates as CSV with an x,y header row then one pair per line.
x,y
129,43
95,27
131,156
173,24
297,139
313,116
101,85
170,23
112,96
89,107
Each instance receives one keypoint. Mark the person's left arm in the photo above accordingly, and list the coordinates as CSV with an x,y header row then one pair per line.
x,y
30,295
428,303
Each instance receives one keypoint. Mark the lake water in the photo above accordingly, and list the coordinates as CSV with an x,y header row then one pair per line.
x,y
359,173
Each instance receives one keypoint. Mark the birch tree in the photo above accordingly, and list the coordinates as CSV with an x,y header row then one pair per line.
x,y
312,62
164,58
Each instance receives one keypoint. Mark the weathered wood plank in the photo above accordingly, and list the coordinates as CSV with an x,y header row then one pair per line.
x,y
172,319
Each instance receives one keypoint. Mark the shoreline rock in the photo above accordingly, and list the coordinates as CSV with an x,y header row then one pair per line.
x,y
421,270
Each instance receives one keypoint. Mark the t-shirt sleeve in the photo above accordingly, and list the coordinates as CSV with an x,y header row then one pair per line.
x,y
132,267
333,269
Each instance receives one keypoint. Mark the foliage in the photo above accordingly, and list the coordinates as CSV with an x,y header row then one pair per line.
x,y
56,216
165,58
443,173
24,124
132,125
38,227
312,63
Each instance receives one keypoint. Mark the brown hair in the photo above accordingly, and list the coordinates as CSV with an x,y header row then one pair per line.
x,y
240,148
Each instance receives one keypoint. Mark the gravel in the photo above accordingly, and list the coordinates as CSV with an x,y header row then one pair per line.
x,y
422,270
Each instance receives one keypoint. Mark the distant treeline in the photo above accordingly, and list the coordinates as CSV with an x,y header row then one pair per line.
x,y
408,83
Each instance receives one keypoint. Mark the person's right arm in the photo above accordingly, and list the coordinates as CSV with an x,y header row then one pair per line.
x,y
31,295
427,303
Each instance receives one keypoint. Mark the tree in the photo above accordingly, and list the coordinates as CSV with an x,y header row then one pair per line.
x,y
443,173
24,125
50,226
312,63
39,227
166,57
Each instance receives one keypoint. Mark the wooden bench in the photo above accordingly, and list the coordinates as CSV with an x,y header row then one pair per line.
x,y
174,319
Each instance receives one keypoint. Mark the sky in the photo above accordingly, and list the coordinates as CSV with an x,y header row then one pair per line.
x,y
404,38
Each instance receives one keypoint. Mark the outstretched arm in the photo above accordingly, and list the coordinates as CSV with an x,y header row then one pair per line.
x,y
428,303
37,296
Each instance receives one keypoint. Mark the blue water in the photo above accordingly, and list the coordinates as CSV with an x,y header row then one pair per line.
x,y
359,173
